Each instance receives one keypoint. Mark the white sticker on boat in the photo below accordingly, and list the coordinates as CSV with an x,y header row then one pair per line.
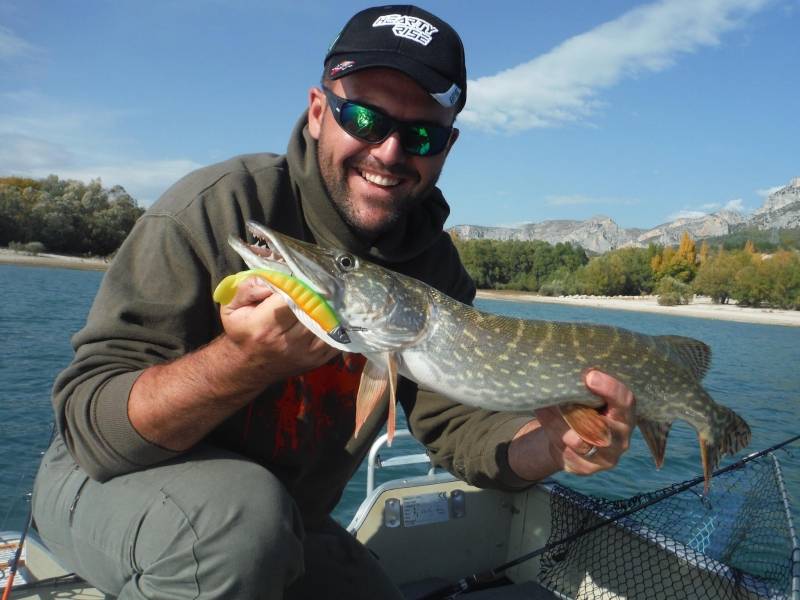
x,y
425,508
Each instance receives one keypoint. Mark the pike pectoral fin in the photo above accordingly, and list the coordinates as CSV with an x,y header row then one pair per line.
x,y
376,380
587,423
391,423
655,434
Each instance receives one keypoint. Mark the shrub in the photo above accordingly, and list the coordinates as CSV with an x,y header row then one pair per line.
x,y
672,292
29,247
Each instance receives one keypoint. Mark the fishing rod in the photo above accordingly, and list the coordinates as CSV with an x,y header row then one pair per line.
x,y
14,564
12,571
470,582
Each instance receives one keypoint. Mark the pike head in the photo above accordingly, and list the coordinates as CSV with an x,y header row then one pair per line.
x,y
379,310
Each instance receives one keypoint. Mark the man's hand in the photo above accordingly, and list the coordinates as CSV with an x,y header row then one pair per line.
x,y
176,404
547,444
271,339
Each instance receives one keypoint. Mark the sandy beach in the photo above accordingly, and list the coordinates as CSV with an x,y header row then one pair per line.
x,y
58,261
701,307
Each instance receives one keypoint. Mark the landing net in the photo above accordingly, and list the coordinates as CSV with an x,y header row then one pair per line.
x,y
738,542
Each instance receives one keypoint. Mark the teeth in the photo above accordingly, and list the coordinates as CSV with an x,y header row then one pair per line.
x,y
380,179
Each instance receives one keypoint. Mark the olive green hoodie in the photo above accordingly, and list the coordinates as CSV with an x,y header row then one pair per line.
x,y
154,305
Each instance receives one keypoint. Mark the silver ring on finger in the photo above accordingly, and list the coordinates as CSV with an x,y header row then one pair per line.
x,y
592,451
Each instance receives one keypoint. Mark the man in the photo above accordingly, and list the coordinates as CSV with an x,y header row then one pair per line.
x,y
200,450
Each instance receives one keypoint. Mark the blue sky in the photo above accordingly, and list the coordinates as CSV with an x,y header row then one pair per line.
x,y
642,111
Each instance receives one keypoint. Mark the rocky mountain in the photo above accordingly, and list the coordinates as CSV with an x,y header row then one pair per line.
x,y
713,225
781,210
600,233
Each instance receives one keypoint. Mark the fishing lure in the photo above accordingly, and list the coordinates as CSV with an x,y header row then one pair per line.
x,y
292,289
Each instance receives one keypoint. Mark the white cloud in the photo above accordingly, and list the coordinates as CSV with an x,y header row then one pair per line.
x,y
711,207
686,214
21,154
737,204
13,46
764,193
40,136
581,200
563,85
145,180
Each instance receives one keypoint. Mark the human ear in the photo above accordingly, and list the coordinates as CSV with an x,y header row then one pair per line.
x,y
316,110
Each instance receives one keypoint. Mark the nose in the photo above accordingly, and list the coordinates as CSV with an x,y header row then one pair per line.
x,y
389,151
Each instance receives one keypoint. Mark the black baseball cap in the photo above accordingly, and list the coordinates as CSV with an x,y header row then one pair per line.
x,y
406,38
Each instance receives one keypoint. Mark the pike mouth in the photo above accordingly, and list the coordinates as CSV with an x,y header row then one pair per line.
x,y
272,250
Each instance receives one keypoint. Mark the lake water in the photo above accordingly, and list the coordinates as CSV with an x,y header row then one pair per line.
x,y
756,371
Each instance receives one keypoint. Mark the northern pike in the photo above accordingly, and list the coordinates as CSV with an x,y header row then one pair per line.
x,y
404,326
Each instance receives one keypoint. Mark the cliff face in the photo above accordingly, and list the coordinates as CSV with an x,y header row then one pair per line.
x,y
600,233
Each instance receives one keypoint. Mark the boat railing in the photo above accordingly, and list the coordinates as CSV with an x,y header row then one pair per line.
x,y
374,460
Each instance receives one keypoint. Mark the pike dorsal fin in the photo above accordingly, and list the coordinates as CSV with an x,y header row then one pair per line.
x,y
692,354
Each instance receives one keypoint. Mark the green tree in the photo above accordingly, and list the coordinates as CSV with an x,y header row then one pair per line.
x,y
782,274
716,276
67,216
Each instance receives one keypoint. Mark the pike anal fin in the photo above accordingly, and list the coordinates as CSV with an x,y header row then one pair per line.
x,y
655,434
587,423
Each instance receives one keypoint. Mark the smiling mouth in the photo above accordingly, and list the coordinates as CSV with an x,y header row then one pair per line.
x,y
381,180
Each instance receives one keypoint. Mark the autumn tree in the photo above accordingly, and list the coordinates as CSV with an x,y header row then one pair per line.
x,y
680,264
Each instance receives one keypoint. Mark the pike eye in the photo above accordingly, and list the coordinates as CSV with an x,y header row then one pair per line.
x,y
346,262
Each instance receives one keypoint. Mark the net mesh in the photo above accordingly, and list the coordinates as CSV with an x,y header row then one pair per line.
x,y
737,542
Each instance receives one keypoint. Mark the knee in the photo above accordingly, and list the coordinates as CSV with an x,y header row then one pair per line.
x,y
243,520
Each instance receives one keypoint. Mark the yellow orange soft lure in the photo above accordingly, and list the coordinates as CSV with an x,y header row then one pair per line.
x,y
309,301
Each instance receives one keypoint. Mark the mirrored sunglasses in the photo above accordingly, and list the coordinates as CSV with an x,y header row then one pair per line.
x,y
371,125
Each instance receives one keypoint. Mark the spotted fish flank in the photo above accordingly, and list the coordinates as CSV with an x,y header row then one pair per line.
x,y
501,363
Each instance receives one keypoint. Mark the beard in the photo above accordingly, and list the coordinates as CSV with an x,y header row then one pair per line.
x,y
335,180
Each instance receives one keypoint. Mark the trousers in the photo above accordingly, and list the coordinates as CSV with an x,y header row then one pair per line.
x,y
209,524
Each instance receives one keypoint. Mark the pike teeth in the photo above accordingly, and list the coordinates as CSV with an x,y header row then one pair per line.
x,y
262,247
380,179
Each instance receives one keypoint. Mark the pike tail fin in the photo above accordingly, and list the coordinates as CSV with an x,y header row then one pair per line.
x,y
587,423
729,433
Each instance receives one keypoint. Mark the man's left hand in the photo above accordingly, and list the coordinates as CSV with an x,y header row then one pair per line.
x,y
547,444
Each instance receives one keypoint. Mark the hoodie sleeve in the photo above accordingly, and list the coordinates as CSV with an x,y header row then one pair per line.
x,y
154,305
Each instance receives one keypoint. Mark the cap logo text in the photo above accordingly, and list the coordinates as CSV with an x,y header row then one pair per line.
x,y
410,28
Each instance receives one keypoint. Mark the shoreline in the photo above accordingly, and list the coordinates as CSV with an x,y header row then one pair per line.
x,y
56,261
701,307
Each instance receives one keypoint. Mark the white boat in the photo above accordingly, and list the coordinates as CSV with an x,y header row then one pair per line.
x,y
512,543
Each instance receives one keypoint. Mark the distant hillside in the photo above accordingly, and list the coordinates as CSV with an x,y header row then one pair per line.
x,y
781,210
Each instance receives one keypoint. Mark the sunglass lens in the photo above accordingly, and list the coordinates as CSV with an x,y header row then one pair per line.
x,y
425,139
363,122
